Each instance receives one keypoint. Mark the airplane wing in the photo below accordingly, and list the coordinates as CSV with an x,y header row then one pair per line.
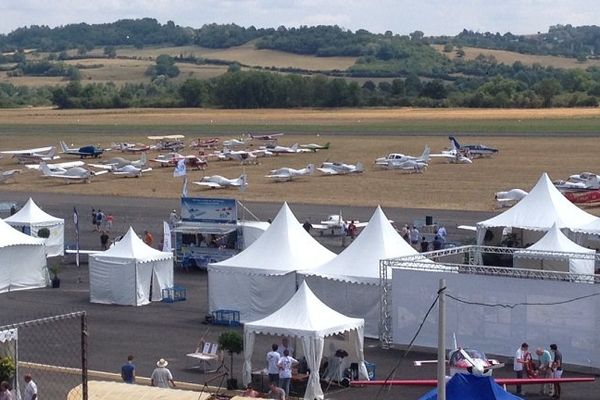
x,y
71,177
96,173
28,151
107,167
59,165
329,171
500,381
209,184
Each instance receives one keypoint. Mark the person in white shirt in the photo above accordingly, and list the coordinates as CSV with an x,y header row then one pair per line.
x,y
285,345
285,365
272,368
519,363
31,392
161,376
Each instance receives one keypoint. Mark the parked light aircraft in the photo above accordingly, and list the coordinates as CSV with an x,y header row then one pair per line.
x,y
74,174
404,162
234,143
269,138
219,182
85,151
207,143
336,168
11,173
288,174
314,147
33,155
130,171
276,149
243,156
171,160
581,189
474,150
120,162
168,142
130,147
57,166
454,155
336,224
509,198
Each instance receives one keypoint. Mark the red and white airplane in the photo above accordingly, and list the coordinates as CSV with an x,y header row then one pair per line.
x,y
208,143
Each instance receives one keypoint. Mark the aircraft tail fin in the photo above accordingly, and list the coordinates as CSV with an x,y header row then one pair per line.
x,y
360,167
295,147
326,147
425,156
143,160
455,144
63,147
45,170
455,341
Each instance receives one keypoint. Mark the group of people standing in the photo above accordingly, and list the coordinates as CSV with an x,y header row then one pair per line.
x,y
161,376
549,366
30,392
280,362
420,242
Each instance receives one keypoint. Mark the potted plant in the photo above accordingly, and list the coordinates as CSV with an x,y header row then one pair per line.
x,y
54,270
7,369
233,343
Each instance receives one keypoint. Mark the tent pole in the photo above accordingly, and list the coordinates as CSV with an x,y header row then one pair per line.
x,y
441,363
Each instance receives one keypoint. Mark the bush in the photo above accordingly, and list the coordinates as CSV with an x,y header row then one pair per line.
x,y
43,233
7,369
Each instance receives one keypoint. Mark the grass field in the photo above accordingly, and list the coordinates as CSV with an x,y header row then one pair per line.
x,y
469,187
509,57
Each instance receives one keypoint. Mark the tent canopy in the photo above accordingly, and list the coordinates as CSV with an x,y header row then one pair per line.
x,y
132,247
9,236
555,240
308,318
539,210
31,214
359,262
284,247
471,387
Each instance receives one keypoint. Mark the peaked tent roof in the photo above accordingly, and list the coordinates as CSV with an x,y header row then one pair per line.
x,y
555,240
591,227
9,236
359,262
32,214
540,209
304,315
471,387
284,247
132,247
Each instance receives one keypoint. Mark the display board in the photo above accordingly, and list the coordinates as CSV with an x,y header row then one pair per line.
x,y
201,209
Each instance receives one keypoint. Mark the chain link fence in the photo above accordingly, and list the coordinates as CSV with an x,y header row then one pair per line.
x,y
53,351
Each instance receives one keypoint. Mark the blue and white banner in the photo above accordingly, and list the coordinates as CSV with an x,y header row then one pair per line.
x,y
166,238
180,169
209,210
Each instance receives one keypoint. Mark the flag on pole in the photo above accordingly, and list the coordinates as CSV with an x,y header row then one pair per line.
x,y
166,238
76,222
180,169
184,191
243,183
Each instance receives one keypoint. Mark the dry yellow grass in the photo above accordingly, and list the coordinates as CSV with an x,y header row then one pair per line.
x,y
509,57
442,186
324,117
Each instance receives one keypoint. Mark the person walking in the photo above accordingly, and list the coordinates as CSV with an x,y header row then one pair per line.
x,y
31,390
424,245
128,370
104,241
161,376
519,363
109,221
99,219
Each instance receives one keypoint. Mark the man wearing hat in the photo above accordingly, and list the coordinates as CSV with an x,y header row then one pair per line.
x,y
161,376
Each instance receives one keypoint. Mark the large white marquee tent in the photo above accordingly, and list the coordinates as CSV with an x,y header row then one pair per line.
x,y
262,278
307,318
130,273
542,254
22,260
350,282
535,214
30,219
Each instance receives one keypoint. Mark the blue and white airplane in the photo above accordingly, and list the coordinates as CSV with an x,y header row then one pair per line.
x,y
474,150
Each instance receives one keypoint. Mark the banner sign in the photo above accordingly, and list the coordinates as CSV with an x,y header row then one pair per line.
x,y
199,209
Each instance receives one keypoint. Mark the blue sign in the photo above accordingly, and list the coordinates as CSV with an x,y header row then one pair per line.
x,y
199,209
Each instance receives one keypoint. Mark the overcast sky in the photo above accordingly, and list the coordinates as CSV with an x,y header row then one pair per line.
x,y
434,17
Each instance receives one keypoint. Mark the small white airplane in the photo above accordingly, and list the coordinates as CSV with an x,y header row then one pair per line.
x,y
404,162
583,181
57,166
242,156
283,149
509,198
171,160
130,147
74,174
130,171
335,168
219,182
234,143
168,142
33,155
11,173
269,138
288,174
314,147
336,224
120,162
454,155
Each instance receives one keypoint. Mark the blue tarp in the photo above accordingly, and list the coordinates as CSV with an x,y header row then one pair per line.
x,y
471,387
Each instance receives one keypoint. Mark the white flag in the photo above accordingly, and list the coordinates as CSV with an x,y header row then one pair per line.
x,y
184,191
180,169
166,238
243,183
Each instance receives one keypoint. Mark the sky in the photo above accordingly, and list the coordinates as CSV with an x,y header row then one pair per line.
x,y
433,17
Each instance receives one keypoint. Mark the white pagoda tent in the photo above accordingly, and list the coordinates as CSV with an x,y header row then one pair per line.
x,y
130,273
546,254
307,318
350,282
22,260
31,219
535,214
262,278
